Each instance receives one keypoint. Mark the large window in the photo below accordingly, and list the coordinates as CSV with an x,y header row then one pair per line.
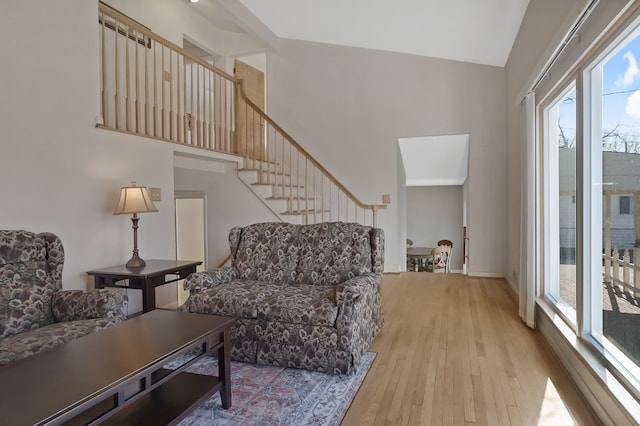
x,y
591,203
613,180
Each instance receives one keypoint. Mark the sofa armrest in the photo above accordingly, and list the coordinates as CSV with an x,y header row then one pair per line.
x,y
207,279
72,305
351,290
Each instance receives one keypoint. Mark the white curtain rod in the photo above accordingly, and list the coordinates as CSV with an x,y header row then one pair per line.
x,y
583,17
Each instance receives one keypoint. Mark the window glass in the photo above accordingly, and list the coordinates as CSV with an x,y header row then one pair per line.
x,y
560,128
625,204
615,186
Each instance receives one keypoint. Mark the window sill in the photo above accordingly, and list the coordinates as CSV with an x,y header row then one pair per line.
x,y
601,389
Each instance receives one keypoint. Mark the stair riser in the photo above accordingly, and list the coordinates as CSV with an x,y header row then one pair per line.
x,y
253,176
283,200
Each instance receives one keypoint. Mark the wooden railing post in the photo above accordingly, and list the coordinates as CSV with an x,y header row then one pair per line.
x,y
626,264
616,266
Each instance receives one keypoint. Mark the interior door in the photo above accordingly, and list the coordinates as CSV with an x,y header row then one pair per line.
x,y
249,135
190,234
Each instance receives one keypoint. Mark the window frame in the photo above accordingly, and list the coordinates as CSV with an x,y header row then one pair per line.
x,y
588,324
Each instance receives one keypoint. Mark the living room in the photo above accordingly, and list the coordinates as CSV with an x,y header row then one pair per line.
x,y
62,174
93,163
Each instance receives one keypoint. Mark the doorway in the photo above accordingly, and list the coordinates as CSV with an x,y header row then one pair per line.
x,y
249,132
436,213
190,232
435,173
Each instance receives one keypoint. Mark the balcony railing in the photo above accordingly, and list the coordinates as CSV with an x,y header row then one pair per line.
x,y
152,87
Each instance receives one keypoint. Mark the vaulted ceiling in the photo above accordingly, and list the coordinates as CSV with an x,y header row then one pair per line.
x,y
463,30
475,31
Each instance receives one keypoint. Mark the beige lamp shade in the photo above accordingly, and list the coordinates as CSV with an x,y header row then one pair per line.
x,y
134,199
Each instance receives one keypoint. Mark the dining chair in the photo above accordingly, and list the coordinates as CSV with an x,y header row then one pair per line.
x,y
440,256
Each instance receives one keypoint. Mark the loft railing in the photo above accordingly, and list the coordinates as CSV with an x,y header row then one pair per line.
x,y
154,88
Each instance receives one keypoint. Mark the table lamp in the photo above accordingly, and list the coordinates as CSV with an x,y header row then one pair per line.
x,y
134,199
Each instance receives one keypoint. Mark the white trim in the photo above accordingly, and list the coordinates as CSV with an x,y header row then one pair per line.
x,y
528,285
606,396
485,275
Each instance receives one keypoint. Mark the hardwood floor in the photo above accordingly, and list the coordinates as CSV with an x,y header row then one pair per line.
x,y
453,351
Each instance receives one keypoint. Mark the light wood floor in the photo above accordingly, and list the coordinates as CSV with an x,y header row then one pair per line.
x,y
453,351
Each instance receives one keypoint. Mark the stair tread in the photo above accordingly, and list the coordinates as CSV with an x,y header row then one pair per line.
x,y
274,184
264,171
291,198
311,211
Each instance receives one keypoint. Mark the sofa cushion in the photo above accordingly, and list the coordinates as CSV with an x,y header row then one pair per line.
x,y
26,286
266,251
33,341
301,304
235,298
331,253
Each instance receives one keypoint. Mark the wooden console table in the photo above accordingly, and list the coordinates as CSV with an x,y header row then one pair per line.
x,y
119,375
147,278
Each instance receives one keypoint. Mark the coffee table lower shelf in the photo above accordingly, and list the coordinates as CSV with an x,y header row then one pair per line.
x,y
169,403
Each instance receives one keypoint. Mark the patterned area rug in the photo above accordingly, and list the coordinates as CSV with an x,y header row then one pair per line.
x,y
265,395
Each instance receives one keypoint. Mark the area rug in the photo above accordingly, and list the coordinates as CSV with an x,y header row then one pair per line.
x,y
266,395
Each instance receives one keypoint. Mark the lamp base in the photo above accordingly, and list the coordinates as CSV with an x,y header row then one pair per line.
x,y
135,262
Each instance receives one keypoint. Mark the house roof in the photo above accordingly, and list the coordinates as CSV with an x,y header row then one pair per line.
x,y
621,171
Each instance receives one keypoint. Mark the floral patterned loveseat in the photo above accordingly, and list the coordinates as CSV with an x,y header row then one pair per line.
x,y
306,296
35,313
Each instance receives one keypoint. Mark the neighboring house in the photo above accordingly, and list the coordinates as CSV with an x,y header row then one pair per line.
x,y
621,183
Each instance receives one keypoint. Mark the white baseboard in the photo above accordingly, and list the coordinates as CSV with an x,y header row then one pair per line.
x,y
486,274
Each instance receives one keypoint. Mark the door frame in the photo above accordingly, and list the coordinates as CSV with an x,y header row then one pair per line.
x,y
199,195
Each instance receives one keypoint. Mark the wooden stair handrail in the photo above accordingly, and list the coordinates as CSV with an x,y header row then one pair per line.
x,y
292,141
163,41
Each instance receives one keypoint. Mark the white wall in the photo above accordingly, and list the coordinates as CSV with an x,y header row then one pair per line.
x,y
348,107
228,201
542,29
434,213
173,19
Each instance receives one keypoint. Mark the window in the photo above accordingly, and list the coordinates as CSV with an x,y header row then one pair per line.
x,y
624,203
613,171
591,203
560,189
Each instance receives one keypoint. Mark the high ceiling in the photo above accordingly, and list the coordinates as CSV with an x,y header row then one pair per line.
x,y
477,31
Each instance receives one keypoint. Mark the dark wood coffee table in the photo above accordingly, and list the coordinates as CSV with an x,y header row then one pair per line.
x,y
116,375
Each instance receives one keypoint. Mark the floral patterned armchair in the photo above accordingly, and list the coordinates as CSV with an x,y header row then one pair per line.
x,y
306,296
35,313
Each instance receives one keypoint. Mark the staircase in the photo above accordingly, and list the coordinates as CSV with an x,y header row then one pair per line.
x,y
283,198
152,87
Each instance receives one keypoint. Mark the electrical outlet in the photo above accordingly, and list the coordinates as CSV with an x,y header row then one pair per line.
x,y
166,75
154,194
386,198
